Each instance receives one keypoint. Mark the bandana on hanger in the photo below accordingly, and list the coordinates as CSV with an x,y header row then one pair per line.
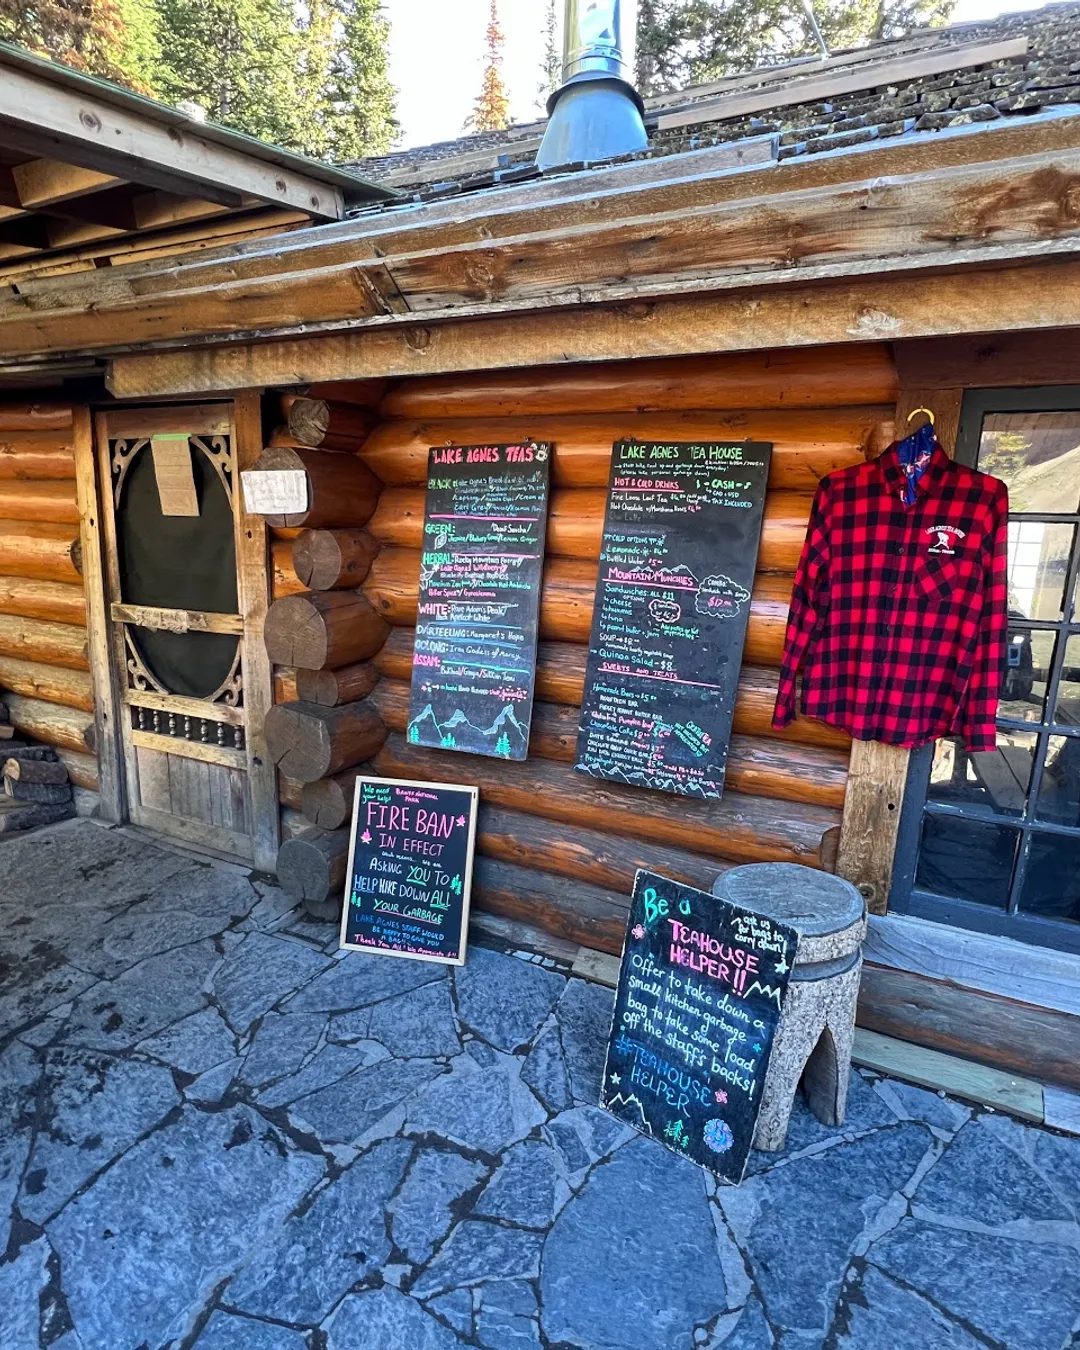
x,y
914,453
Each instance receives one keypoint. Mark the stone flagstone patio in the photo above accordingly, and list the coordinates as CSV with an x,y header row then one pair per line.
x,y
216,1134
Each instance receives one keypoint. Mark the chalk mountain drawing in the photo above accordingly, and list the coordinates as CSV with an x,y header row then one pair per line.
x,y
458,724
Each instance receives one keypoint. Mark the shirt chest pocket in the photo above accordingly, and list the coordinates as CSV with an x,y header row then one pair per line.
x,y
941,580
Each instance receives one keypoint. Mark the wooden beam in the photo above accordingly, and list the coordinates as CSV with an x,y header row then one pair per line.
x,y
1042,296
946,1073
107,738
45,182
253,587
812,88
988,361
105,137
877,773
990,198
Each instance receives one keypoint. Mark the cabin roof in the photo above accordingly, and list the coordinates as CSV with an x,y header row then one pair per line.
x,y
924,82
89,168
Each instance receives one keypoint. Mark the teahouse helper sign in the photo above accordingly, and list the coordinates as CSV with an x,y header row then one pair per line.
x,y
700,993
410,869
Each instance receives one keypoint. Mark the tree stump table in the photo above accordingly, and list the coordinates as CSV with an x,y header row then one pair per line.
x,y
817,1023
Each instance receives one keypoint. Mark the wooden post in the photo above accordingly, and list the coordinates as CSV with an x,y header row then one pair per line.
x,y
109,754
253,585
877,773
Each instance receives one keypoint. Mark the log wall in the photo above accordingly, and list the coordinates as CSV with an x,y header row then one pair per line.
x,y
556,848
44,667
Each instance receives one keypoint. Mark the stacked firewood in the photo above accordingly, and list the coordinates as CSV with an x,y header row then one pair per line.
x,y
37,789
324,635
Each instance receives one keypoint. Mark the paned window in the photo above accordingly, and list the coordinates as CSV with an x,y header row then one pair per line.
x,y
991,840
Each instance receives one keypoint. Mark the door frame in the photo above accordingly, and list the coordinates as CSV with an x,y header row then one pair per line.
x,y
241,419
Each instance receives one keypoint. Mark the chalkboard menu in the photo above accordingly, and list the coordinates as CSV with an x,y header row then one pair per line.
x,y
410,869
677,566
474,662
699,999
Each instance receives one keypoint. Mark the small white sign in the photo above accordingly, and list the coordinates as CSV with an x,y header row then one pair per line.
x,y
275,492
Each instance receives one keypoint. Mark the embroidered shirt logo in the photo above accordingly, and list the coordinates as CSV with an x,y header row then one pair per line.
x,y
945,537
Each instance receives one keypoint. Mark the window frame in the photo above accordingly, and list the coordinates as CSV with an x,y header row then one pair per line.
x,y
1061,935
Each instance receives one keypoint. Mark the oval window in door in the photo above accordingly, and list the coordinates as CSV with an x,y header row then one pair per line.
x,y
179,562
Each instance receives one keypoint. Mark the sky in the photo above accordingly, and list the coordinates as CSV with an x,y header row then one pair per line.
x,y
437,58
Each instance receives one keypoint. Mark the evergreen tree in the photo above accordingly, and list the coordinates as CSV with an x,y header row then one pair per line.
x,y
684,42
239,59
551,65
491,111
357,106
116,39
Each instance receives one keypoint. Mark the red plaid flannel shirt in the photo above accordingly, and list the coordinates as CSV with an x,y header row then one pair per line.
x,y
898,616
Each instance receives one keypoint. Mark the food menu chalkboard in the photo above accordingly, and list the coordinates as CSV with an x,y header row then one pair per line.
x,y
699,1000
474,661
410,869
677,567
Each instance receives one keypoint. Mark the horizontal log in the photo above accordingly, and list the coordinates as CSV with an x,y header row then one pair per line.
x,y
606,860
326,424
737,827
289,791
34,417
49,552
33,599
284,580
307,742
34,770
16,816
576,524
54,684
566,601
365,393
311,870
322,629
585,914
822,378
1008,1034
331,560
52,723
284,684
292,823
54,644
755,766
560,678
331,688
35,455
45,500
49,794
82,768
328,802
342,490
807,444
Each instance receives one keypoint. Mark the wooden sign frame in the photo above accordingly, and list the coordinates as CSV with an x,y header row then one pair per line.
x,y
466,888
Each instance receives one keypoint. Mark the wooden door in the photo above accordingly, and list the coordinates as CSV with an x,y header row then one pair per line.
x,y
186,581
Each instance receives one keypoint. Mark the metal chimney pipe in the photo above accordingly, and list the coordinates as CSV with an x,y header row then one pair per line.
x,y
596,113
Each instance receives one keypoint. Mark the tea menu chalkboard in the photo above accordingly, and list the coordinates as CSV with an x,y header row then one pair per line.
x,y
677,564
410,869
474,660
700,993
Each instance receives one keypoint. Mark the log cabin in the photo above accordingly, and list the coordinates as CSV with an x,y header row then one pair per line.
x,y
808,255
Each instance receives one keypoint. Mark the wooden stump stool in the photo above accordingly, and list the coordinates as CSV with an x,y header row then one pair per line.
x,y
817,1024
